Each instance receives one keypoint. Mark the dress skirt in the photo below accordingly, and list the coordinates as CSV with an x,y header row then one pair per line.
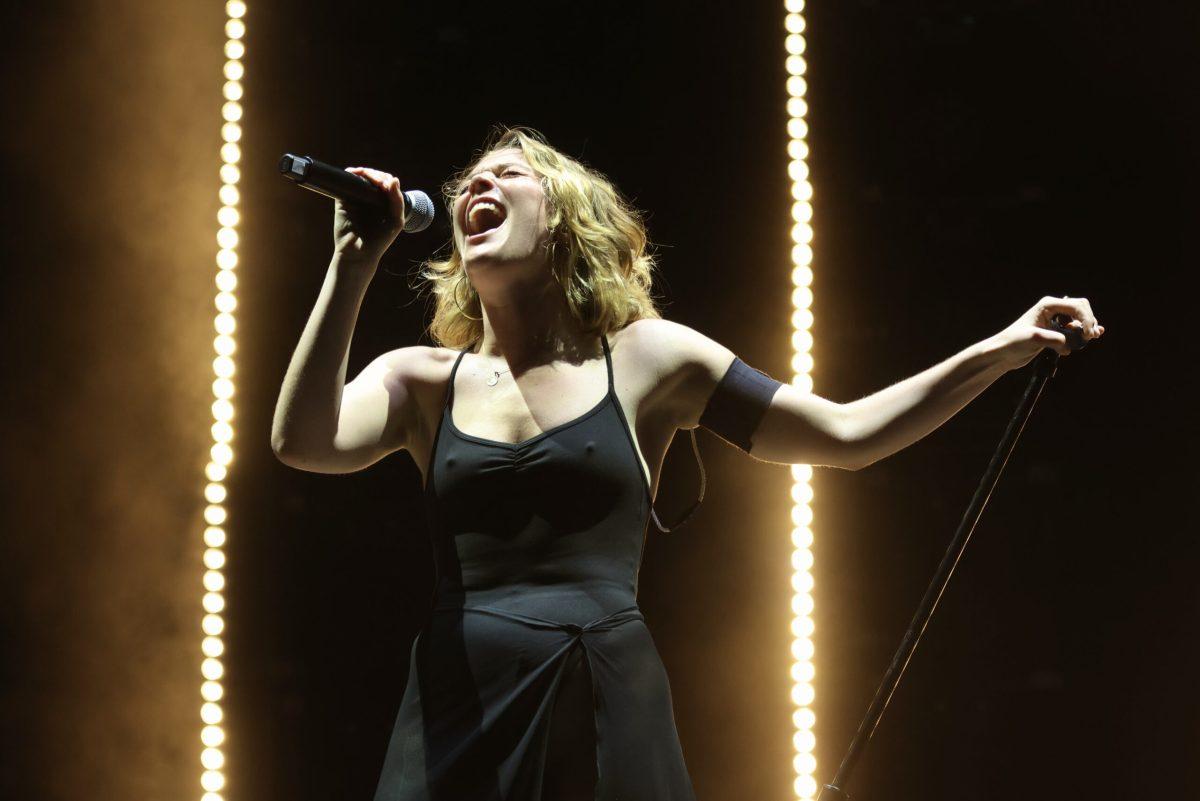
x,y
475,720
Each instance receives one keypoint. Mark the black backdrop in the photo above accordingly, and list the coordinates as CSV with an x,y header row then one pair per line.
x,y
967,158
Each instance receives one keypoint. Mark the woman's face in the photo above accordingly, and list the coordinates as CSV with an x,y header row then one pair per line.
x,y
500,215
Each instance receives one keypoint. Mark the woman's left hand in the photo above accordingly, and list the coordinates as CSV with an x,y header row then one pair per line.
x,y
1018,344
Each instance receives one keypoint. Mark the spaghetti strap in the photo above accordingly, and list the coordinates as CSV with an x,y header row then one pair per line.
x,y
453,372
608,360
626,426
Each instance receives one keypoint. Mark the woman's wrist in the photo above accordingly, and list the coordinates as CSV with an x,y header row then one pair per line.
x,y
358,269
993,355
356,260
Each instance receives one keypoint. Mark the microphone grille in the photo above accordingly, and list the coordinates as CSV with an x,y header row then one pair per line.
x,y
420,211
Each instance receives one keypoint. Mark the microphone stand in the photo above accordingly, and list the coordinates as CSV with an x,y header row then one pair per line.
x,y
1044,368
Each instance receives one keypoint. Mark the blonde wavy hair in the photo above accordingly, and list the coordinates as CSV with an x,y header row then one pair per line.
x,y
598,248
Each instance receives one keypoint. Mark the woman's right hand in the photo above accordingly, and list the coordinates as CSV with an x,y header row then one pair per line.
x,y
358,232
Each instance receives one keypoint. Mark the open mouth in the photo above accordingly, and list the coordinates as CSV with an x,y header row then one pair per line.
x,y
482,235
483,217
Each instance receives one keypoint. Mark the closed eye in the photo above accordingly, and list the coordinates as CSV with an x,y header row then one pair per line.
x,y
509,172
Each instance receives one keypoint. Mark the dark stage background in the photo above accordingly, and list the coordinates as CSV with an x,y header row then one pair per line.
x,y
967,159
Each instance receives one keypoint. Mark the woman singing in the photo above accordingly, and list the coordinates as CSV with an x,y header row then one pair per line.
x,y
540,423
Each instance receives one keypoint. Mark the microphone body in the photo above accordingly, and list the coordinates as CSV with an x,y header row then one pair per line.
x,y
349,188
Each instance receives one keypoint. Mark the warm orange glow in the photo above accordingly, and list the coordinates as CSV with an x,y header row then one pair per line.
x,y
802,672
212,669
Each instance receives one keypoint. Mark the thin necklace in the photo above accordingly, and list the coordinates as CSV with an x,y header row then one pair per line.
x,y
495,379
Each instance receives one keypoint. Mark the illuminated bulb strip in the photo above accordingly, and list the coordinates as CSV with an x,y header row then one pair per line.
x,y
212,669
804,761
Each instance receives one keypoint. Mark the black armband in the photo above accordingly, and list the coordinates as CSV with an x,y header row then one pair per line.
x,y
738,404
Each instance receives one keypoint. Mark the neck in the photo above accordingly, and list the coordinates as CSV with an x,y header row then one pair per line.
x,y
527,326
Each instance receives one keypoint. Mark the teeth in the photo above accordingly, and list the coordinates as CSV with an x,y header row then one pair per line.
x,y
483,205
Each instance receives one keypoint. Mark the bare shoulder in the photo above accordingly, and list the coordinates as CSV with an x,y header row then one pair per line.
x,y
422,363
424,369
409,367
675,348
685,364
414,379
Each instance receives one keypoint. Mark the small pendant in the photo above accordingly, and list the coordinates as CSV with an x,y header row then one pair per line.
x,y
491,382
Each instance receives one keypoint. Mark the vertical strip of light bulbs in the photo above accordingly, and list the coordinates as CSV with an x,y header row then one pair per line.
x,y
212,734
804,761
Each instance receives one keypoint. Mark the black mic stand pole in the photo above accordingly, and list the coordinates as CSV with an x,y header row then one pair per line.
x,y
1044,367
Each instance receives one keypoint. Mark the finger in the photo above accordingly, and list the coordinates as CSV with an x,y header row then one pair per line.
x,y
396,197
361,172
1051,339
1077,308
1090,331
377,177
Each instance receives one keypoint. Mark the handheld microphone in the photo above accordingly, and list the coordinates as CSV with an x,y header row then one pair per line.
x,y
349,188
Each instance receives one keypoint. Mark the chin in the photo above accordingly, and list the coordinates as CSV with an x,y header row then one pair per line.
x,y
487,257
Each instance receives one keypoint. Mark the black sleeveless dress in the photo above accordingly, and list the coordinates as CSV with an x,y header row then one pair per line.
x,y
537,546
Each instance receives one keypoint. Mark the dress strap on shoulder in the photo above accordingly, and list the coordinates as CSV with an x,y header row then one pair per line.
x,y
454,372
608,361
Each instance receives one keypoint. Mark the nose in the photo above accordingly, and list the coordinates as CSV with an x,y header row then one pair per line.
x,y
482,179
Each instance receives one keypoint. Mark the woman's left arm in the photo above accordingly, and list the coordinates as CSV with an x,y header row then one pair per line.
x,y
890,420
800,427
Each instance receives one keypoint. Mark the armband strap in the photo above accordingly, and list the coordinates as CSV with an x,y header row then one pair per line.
x,y
738,404
683,518
733,412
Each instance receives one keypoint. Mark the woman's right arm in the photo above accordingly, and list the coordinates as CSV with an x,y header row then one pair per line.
x,y
321,423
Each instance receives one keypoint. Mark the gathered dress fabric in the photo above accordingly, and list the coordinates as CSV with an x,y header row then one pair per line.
x,y
535,677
